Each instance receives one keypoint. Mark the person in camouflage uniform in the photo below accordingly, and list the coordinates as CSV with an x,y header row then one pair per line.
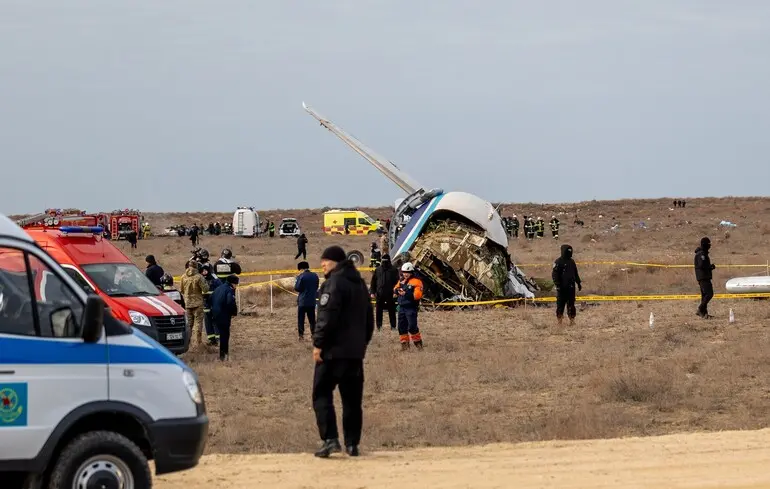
x,y
193,287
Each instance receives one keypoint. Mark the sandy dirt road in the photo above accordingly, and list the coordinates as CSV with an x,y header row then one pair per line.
x,y
726,460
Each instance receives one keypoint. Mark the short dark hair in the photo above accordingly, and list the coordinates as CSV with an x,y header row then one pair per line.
x,y
303,265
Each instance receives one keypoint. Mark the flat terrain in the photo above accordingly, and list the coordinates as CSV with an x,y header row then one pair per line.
x,y
728,460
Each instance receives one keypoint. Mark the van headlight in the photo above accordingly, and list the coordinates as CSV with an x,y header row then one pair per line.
x,y
191,383
139,319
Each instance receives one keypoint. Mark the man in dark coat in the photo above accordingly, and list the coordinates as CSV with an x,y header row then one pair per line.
x,y
154,272
342,334
301,247
703,269
384,280
565,276
307,286
223,309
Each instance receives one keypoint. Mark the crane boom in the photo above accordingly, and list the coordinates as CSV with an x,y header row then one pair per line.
x,y
386,167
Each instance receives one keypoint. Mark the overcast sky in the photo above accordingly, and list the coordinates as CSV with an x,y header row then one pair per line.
x,y
197,105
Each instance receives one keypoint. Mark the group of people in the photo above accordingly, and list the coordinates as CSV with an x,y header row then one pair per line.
x,y
533,228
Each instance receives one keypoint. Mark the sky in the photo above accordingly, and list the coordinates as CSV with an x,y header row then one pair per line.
x,y
192,105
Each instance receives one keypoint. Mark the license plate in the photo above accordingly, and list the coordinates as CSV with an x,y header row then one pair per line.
x,y
175,336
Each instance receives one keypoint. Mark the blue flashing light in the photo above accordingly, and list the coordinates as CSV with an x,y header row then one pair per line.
x,y
82,229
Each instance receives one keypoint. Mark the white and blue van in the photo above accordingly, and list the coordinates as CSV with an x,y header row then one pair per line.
x,y
85,399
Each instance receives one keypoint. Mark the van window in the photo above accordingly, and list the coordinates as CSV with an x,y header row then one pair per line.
x,y
58,308
350,222
15,297
120,280
79,279
364,222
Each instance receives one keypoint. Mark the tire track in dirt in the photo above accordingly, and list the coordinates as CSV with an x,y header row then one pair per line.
x,y
733,459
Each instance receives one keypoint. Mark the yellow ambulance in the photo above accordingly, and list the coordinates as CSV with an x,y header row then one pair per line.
x,y
357,222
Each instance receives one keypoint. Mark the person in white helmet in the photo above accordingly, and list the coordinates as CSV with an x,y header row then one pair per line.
x,y
408,292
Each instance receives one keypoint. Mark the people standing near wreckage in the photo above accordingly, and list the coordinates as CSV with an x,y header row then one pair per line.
x,y
565,277
555,227
384,281
193,287
540,227
342,335
408,292
703,273
515,226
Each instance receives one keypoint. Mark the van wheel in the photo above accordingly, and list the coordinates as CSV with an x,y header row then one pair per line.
x,y
101,459
356,257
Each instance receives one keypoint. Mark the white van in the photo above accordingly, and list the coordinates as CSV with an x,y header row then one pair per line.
x,y
246,222
85,399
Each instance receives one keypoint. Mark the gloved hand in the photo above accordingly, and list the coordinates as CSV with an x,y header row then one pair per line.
x,y
713,266
580,286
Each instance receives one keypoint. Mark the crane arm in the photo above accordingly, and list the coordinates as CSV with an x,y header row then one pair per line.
x,y
386,167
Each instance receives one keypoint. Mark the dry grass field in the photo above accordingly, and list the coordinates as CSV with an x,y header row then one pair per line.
x,y
508,375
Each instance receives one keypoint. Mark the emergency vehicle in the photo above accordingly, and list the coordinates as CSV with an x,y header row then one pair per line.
x,y
85,399
246,222
123,222
99,266
357,221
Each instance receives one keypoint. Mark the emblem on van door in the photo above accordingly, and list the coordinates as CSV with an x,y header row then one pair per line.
x,y
172,321
13,404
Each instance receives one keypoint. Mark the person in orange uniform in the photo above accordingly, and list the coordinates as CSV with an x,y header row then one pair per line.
x,y
408,292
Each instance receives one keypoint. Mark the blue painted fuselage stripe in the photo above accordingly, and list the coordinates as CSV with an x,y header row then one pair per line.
x,y
414,233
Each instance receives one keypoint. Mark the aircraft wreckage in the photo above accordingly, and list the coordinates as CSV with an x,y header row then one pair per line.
x,y
455,240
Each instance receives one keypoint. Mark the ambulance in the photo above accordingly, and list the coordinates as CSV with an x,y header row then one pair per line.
x,y
85,399
357,221
97,265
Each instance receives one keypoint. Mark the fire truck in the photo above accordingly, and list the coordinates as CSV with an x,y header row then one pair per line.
x,y
123,222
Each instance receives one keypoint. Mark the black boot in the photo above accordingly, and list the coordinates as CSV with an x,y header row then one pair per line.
x,y
352,450
404,346
418,344
329,447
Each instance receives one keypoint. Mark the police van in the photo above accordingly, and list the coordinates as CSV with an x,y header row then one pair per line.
x,y
85,399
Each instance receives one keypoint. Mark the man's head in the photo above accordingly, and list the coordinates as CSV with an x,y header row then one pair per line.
x,y
408,270
232,280
150,260
331,257
566,251
303,265
705,244
227,253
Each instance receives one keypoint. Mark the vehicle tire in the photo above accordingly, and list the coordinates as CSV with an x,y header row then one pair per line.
x,y
356,257
101,454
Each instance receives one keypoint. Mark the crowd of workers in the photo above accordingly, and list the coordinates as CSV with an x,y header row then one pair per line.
x,y
533,227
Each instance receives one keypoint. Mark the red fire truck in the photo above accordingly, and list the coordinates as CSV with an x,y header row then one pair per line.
x,y
123,222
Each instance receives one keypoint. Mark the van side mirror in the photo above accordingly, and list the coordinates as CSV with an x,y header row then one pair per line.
x,y
93,318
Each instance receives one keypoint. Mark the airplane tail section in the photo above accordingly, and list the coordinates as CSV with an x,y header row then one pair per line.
x,y
386,167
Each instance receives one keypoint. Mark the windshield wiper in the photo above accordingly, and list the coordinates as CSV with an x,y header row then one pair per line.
x,y
119,294
142,293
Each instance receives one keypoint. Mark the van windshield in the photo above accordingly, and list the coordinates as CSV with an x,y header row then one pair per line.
x,y
120,279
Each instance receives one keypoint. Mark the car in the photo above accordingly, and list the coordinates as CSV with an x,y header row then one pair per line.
x,y
85,399
289,227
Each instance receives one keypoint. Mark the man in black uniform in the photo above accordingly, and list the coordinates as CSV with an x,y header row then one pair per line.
x,y
342,333
384,280
703,268
565,276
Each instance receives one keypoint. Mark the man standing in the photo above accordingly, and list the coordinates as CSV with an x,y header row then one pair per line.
x,y
554,227
307,286
342,334
223,309
154,272
703,269
408,292
193,287
301,247
565,276
213,282
384,280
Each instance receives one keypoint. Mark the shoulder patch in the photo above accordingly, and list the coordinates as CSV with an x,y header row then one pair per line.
x,y
324,299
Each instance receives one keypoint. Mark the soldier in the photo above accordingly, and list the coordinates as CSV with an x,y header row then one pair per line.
x,y
515,226
565,276
193,287
555,227
703,273
408,292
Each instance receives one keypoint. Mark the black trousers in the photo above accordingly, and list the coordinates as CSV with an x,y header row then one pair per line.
x,y
566,297
348,374
385,305
302,252
223,325
301,313
706,294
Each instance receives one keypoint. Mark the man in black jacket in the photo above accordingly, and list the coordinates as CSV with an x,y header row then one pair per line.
x,y
703,268
565,276
384,280
342,333
154,272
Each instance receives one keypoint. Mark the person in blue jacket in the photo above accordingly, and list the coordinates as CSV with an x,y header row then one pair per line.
x,y
307,286
223,309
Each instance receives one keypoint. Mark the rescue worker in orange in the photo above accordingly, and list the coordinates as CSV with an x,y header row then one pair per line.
x,y
193,287
408,292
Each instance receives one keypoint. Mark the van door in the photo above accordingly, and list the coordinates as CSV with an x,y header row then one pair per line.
x,y
47,370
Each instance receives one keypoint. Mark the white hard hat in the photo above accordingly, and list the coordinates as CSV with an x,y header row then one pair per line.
x,y
407,267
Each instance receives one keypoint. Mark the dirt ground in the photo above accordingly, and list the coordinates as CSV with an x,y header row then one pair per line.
x,y
728,460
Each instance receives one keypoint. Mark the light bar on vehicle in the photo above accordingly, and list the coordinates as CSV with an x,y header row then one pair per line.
x,y
81,229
